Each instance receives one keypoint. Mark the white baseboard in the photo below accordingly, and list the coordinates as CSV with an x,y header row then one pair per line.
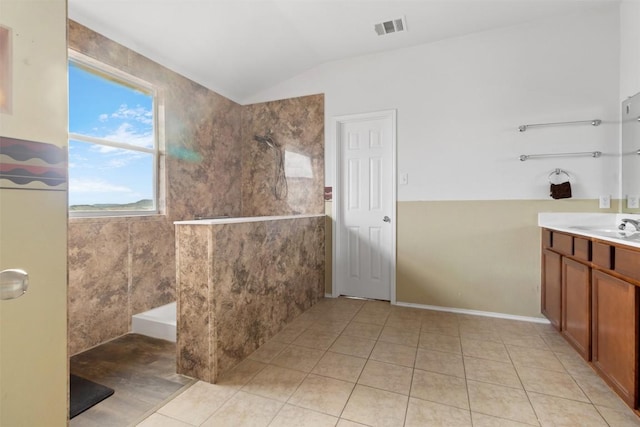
x,y
475,312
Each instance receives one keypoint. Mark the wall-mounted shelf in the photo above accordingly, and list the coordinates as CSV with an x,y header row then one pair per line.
x,y
524,157
594,122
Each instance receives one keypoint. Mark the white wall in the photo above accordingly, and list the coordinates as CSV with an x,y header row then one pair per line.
x,y
461,100
629,48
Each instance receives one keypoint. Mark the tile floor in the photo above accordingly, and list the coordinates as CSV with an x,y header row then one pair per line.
x,y
350,363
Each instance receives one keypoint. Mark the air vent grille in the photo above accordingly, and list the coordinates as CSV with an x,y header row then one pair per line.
x,y
392,26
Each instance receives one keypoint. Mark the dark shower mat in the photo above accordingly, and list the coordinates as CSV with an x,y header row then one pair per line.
x,y
83,394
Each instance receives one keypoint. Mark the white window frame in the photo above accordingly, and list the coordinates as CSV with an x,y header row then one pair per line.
x,y
102,69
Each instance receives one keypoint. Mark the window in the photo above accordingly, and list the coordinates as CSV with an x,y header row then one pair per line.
x,y
113,149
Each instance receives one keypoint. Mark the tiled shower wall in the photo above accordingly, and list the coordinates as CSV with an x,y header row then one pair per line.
x,y
122,266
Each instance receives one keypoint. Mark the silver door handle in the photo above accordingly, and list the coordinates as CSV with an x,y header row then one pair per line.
x,y
13,283
386,219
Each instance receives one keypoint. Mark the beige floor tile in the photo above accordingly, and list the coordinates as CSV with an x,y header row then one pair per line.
x,y
485,350
159,420
557,344
599,393
315,339
245,409
402,336
394,353
267,351
290,333
197,403
491,371
619,418
353,346
574,364
554,411
409,313
299,358
275,382
442,328
363,330
514,327
500,401
374,407
529,341
482,420
553,383
387,376
331,327
293,416
440,362
376,306
545,328
347,423
440,388
376,318
241,373
438,342
340,366
481,336
322,394
421,413
404,324
532,358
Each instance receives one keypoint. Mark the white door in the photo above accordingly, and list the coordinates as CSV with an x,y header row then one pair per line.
x,y
365,206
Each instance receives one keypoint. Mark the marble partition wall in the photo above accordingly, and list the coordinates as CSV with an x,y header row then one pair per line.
x,y
297,125
126,265
239,284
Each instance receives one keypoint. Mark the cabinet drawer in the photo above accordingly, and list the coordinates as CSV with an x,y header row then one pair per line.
x,y
562,243
582,248
602,255
627,263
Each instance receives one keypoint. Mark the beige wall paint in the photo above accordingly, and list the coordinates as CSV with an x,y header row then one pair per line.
x,y
33,328
477,255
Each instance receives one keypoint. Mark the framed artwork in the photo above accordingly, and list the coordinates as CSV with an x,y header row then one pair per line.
x,y
29,165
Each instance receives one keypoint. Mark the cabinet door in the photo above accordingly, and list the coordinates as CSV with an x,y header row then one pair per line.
x,y
551,287
576,306
615,334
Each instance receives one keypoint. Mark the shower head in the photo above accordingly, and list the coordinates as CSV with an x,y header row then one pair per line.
x,y
265,140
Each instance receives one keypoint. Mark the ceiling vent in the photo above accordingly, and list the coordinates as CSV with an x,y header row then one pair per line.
x,y
393,26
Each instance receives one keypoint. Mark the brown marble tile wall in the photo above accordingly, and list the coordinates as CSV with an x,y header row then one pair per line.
x,y
211,166
201,167
297,125
250,286
98,283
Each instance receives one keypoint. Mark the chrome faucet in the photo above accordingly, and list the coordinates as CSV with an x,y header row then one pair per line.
x,y
633,222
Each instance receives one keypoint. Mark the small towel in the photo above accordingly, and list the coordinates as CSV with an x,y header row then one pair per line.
x,y
561,191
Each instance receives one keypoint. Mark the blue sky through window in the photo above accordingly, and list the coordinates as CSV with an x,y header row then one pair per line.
x,y
102,108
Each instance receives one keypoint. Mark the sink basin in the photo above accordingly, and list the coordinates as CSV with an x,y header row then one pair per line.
x,y
607,231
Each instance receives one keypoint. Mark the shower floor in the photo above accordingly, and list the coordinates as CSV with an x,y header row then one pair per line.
x,y
141,370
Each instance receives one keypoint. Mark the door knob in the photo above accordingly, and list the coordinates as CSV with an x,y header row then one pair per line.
x,y
13,283
386,219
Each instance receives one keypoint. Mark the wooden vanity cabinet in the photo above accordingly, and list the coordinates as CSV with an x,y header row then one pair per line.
x,y
576,306
551,289
615,334
591,293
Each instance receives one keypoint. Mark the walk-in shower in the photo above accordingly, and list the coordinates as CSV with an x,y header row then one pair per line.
x,y
280,188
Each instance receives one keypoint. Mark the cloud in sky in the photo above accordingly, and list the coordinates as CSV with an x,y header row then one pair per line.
x,y
80,185
138,113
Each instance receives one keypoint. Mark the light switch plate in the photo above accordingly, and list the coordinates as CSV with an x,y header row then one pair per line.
x,y
404,179
633,202
605,202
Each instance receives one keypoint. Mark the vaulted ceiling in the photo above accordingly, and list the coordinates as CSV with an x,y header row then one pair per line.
x,y
240,47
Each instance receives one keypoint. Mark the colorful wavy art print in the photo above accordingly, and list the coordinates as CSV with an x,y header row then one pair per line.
x,y
30,165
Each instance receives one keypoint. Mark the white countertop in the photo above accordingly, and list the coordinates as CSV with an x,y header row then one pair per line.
x,y
215,221
603,226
